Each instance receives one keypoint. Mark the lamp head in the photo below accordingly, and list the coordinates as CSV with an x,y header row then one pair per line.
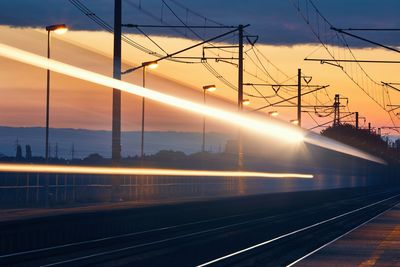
x,y
150,64
246,102
57,29
273,113
210,88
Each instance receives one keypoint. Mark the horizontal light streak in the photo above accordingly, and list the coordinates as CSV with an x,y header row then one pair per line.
x,y
271,128
275,129
41,168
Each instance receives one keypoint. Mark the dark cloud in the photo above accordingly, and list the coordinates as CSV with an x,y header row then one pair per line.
x,y
276,21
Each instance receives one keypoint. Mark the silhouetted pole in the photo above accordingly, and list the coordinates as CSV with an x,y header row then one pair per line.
x,y
240,95
59,29
203,146
206,88
369,126
116,101
299,97
143,102
116,108
357,120
338,109
47,99
336,106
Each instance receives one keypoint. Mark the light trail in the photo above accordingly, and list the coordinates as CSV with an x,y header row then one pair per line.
x,y
331,144
268,127
41,168
277,130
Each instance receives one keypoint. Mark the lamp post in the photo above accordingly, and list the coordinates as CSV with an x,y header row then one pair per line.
x,y
58,29
145,65
206,88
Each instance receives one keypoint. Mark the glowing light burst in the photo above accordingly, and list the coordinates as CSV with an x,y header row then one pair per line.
x,y
36,168
272,128
269,128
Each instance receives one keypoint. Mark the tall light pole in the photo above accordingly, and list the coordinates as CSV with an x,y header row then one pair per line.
x,y
357,117
116,95
58,29
206,88
145,65
299,97
240,94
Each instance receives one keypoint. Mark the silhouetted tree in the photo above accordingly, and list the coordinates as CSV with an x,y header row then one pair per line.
x,y
359,138
94,158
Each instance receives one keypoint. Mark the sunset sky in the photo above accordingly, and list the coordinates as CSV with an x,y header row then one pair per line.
x,y
284,39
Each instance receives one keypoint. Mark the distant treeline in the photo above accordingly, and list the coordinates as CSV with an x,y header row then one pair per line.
x,y
365,140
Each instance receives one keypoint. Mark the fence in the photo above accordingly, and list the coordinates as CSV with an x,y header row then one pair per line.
x,y
28,189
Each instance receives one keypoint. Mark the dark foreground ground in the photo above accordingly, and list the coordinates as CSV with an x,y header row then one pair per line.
x,y
263,230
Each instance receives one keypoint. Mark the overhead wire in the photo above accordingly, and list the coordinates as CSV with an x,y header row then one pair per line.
x,y
342,42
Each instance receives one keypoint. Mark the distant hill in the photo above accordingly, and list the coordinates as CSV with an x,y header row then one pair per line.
x,y
86,141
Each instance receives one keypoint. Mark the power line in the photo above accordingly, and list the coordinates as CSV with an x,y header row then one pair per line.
x,y
87,12
341,43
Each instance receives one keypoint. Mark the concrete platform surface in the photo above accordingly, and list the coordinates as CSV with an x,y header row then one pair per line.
x,y
377,243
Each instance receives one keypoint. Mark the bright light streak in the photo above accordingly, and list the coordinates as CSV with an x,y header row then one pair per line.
x,y
26,168
274,129
271,128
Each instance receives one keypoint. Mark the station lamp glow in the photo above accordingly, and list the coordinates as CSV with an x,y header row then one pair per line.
x,y
210,88
57,29
150,64
246,102
273,113
295,122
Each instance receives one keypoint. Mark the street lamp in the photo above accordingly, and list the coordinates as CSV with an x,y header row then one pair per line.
x,y
206,88
150,64
246,102
295,122
145,65
273,113
58,29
